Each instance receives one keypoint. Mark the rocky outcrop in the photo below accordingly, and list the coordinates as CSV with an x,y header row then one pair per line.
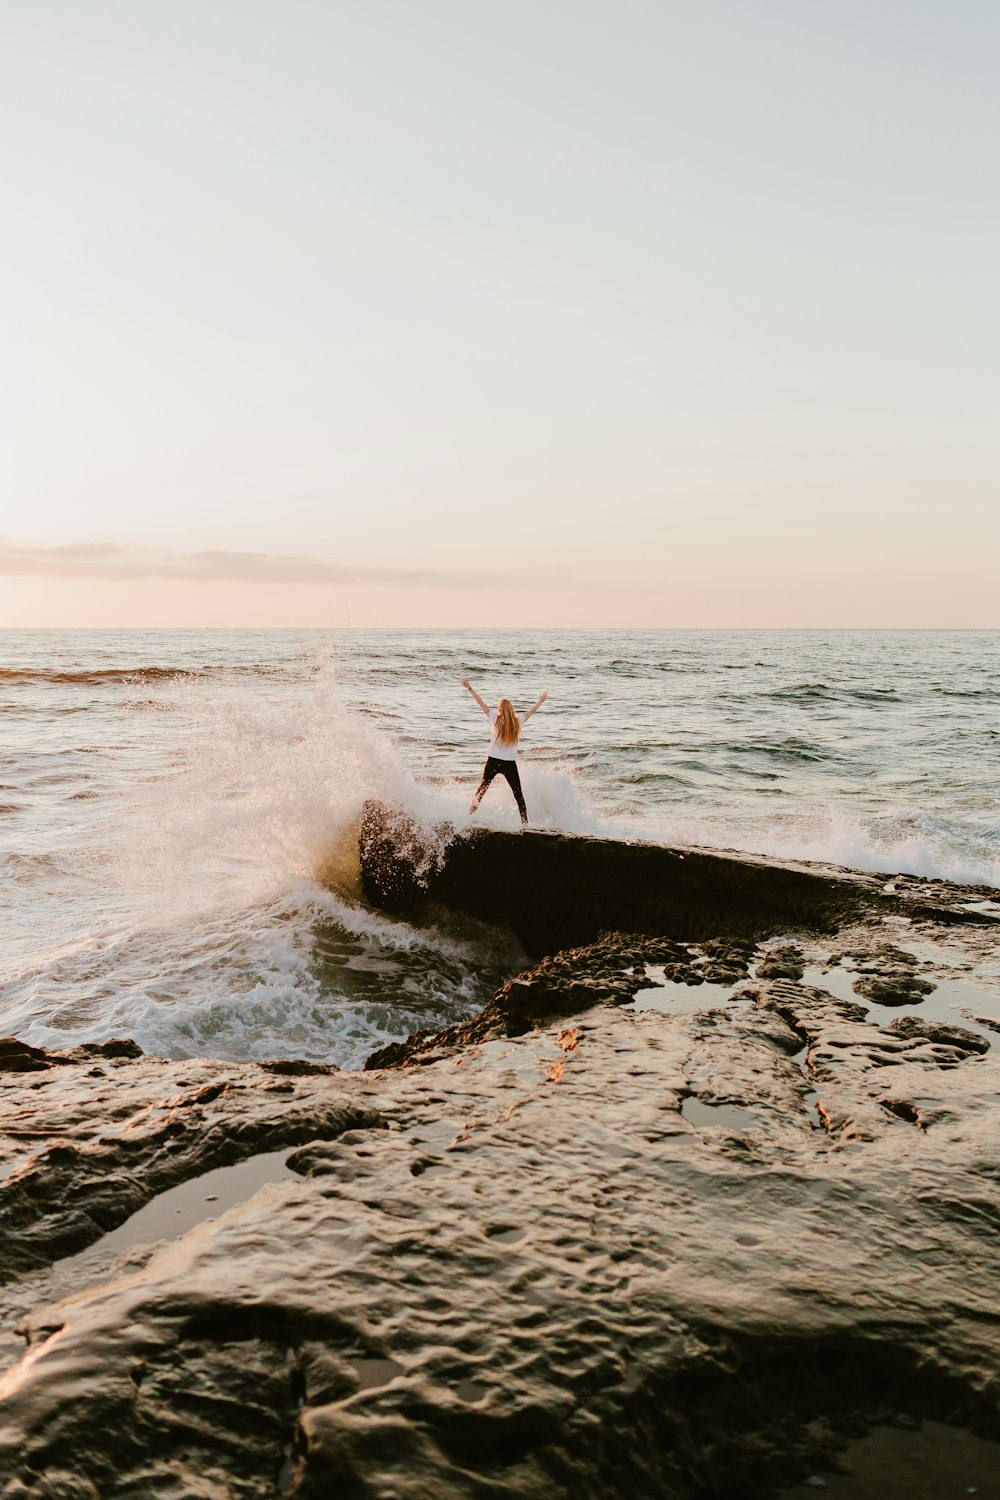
x,y
560,890
99,1130
668,1218
611,970
677,1251
20,1057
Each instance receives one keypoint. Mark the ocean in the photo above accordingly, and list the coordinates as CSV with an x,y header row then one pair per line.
x,y
179,809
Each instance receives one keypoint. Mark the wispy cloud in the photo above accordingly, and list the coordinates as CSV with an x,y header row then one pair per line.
x,y
104,560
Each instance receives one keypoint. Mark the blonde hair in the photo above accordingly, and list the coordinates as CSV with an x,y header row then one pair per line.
x,y
507,727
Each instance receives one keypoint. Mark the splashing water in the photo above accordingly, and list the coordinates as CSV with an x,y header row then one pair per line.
x,y
218,908
180,809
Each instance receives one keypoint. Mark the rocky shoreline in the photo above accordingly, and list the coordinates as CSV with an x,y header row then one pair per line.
x,y
691,1202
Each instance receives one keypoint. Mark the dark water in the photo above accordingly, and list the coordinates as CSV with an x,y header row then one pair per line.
x,y
930,1461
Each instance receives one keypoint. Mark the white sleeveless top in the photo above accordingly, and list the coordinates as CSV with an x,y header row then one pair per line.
x,y
498,751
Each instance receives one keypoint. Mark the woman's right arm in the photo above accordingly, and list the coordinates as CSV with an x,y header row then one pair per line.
x,y
468,685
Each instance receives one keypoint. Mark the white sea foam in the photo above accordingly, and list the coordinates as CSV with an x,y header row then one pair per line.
x,y
892,840
215,865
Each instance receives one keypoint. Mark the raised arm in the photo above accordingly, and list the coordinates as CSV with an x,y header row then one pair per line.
x,y
469,688
537,706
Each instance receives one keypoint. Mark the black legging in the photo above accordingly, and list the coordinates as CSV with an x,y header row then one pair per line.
x,y
508,769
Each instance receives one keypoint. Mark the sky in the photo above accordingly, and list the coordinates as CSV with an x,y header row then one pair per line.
x,y
552,313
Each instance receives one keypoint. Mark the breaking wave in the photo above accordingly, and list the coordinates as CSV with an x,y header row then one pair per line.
x,y
113,676
181,838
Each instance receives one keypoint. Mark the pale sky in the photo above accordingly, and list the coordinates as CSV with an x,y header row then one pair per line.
x,y
549,312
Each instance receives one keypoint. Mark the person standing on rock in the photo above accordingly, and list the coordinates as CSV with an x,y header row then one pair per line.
x,y
505,731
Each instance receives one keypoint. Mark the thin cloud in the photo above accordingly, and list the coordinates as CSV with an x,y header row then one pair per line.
x,y
103,560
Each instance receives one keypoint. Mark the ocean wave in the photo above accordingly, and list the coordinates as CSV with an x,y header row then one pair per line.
x,y
789,749
889,839
653,778
624,666
105,676
634,749
805,692
23,864
252,790
802,690
306,974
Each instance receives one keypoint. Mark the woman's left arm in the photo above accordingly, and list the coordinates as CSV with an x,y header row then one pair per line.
x,y
537,706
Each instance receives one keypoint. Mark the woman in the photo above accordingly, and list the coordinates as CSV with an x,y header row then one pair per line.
x,y
504,735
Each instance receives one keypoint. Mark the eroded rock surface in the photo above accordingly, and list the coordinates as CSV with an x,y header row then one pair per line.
x,y
683,1206
94,1132
612,969
511,1266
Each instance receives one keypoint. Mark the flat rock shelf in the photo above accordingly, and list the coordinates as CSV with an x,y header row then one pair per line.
x,y
593,1242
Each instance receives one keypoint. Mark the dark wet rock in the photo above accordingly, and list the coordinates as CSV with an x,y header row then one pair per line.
x,y
560,890
948,903
541,1280
724,962
297,1067
562,985
892,989
959,1037
611,971
18,1057
879,958
85,1151
886,973
116,1047
873,958
785,962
